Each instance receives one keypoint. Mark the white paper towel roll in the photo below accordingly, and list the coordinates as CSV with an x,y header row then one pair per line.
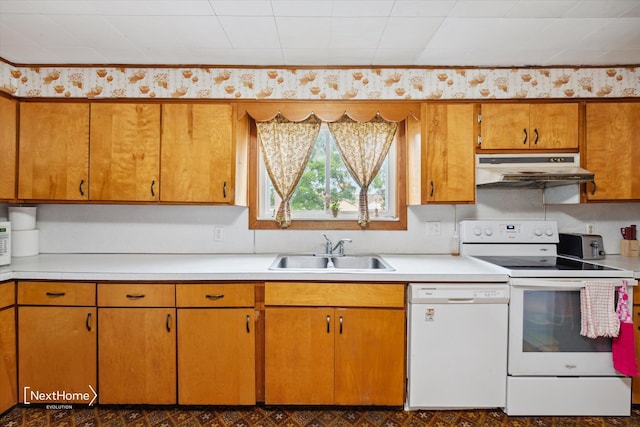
x,y
25,243
22,217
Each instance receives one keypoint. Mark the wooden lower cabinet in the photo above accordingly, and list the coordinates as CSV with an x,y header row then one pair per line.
x,y
57,352
349,355
137,348
56,342
216,356
8,361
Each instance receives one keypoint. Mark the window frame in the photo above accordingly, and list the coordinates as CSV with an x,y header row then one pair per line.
x,y
398,223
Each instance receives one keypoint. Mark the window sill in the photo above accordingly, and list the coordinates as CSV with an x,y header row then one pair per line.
x,y
331,224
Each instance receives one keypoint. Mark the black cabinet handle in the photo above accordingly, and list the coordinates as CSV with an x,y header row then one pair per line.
x,y
88,322
248,327
328,324
168,323
526,135
340,325
432,189
594,188
535,130
214,297
153,193
224,190
135,296
80,188
56,294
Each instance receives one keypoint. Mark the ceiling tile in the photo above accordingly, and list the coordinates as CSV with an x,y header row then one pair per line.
x,y
368,33
310,33
250,32
362,8
541,9
484,33
411,8
301,8
409,32
481,8
615,34
397,56
242,7
601,9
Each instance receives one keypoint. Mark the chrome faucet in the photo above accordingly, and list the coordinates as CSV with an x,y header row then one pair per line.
x,y
329,249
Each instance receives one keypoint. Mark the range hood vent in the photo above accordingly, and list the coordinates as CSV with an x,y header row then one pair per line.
x,y
530,170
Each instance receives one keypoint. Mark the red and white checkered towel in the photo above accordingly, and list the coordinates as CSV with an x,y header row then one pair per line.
x,y
597,303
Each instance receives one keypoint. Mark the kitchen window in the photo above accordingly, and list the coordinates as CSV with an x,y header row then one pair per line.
x,y
314,193
327,191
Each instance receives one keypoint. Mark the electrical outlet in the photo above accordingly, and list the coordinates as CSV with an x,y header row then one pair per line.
x,y
433,228
590,228
218,234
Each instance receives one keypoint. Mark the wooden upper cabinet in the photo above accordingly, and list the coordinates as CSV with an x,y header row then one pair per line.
x,y
448,153
54,151
125,152
517,126
197,163
613,150
8,124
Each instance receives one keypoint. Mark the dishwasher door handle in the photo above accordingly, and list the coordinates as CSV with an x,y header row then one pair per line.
x,y
460,300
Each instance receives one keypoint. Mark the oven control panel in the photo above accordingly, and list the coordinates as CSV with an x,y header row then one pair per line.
x,y
508,231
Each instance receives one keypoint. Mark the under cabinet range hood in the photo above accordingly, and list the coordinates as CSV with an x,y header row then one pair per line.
x,y
530,170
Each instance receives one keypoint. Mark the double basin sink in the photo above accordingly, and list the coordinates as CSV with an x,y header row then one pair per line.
x,y
321,262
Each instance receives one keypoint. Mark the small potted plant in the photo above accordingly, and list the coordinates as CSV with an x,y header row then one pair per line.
x,y
334,205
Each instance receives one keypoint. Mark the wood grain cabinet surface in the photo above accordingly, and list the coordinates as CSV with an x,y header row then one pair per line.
x,y
197,161
321,354
8,148
518,126
8,360
53,151
56,343
613,150
125,152
449,134
136,343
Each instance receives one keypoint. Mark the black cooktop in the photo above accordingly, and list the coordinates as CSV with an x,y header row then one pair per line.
x,y
542,263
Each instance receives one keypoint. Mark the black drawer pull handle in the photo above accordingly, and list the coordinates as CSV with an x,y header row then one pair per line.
x,y
88,322
432,189
153,193
80,188
224,190
135,296
168,323
526,136
340,325
248,327
214,297
328,324
56,294
535,130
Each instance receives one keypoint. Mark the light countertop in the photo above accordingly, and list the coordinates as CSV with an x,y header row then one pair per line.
x,y
185,267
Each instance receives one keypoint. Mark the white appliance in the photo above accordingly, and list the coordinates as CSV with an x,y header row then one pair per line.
x,y
457,345
552,369
5,243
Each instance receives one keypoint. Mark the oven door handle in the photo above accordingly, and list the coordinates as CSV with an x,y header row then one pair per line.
x,y
568,285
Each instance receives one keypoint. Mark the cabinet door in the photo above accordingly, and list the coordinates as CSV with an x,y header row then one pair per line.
x,y
8,109
299,355
553,126
54,151
613,150
505,126
448,153
197,161
125,152
137,348
8,363
370,362
56,351
216,357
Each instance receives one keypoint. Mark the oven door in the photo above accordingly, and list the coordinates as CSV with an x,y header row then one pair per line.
x,y
544,331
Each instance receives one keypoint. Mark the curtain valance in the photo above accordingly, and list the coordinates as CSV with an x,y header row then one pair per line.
x,y
363,111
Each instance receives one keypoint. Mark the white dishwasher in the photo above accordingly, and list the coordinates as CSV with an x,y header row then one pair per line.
x,y
457,345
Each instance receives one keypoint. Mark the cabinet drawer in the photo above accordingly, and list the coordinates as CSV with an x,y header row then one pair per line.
x,y
215,295
7,294
636,295
334,294
57,293
136,295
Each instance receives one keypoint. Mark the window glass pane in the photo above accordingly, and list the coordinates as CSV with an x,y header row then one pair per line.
x,y
310,197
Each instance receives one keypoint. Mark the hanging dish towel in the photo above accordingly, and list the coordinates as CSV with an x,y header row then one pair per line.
x,y
623,346
599,318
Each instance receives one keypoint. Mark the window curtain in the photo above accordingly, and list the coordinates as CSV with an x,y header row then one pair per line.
x,y
363,147
286,147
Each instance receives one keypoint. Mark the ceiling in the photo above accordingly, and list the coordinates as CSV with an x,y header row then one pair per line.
x,y
321,32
